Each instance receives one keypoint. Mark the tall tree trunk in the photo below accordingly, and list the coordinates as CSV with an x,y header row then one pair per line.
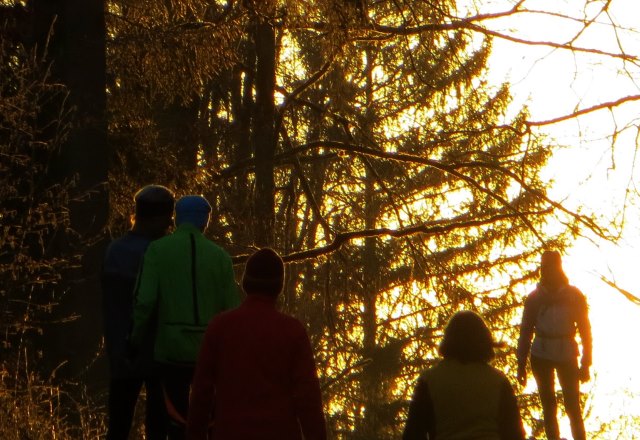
x,y
264,137
75,30
178,126
370,384
242,105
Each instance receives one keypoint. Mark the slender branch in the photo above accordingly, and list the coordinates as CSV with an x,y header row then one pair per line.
x,y
429,229
301,88
452,169
306,188
628,295
605,105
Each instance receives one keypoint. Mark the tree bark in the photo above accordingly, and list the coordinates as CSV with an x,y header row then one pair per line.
x,y
264,137
75,33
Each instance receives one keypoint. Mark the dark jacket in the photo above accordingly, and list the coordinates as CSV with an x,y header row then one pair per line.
x,y
119,271
256,378
455,400
185,279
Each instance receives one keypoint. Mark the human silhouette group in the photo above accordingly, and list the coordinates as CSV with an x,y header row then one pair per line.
x,y
220,361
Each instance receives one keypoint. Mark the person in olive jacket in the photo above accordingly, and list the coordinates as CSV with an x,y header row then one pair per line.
x,y
462,396
185,280
256,377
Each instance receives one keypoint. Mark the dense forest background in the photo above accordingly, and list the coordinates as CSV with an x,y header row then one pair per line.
x,y
360,139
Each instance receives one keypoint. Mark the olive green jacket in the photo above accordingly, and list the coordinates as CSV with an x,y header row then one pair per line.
x,y
185,280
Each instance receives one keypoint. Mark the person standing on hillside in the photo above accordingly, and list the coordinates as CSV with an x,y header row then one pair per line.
x,y
152,220
256,377
553,312
185,280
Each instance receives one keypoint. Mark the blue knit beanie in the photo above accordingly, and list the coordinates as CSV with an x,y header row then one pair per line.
x,y
194,210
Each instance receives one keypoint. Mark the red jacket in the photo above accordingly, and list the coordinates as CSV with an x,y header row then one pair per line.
x,y
256,378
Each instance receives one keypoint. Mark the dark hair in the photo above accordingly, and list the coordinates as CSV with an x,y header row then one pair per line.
x,y
467,338
551,273
153,201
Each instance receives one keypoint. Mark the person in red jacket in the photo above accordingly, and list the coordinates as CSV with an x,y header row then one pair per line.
x,y
256,377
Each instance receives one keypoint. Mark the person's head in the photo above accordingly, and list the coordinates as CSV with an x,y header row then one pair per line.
x,y
153,210
263,273
551,272
194,210
467,339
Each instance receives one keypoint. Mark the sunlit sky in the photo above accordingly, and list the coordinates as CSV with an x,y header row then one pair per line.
x,y
590,176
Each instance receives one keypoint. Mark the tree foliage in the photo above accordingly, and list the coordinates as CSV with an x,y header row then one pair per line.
x,y
362,140
38,248
386,156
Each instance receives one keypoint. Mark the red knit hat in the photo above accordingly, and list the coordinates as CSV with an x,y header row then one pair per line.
x,y
264,273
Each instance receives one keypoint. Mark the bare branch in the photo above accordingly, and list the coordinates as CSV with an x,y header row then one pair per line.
x,y
628,295
429,229
605,105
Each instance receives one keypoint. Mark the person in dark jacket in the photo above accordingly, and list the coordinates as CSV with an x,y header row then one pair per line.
x,y
256,377
462,396
185,280
554,311
152,219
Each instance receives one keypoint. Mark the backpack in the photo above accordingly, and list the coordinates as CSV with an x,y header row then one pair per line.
x,y
556,313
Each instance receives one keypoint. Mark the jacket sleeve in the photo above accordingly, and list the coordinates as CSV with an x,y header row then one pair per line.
x,y
145,296
116,327
526,330
421,419
202,399
584,328
307,397
229,287
509,421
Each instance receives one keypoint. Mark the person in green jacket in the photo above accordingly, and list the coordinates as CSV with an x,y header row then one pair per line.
x,y
185,280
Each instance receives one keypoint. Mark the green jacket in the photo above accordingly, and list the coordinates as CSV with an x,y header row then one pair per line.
x,y
185,280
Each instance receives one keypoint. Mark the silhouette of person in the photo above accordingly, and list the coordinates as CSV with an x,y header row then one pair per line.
x,y
553,312
185,280
462,396
256,377
152,219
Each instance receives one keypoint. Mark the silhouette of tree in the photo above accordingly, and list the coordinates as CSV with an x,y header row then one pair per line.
x,y
363,141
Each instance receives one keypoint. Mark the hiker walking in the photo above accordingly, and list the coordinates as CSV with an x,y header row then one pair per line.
x,y
185,280
553,312
462,396
256,378
152,219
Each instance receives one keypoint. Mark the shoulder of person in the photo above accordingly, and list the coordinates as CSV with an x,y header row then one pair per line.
x,y
123,250
221,319
575,293
293,324
215,247
573,289
118,245
534,296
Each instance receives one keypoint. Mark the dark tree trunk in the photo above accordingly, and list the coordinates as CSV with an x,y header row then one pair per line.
x,y
242,105
75,31
178,129
264,138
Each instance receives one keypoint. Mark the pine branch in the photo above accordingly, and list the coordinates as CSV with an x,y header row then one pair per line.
x,y
429,229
